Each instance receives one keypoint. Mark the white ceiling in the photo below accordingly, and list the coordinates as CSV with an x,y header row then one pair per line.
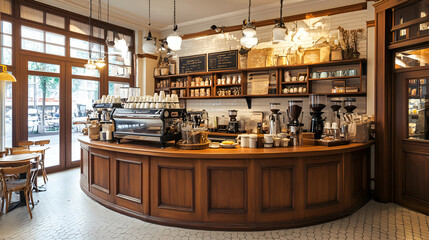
x,y
194,15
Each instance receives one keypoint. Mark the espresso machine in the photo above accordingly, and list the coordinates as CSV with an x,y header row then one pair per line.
x,y
275,124
350,105
294,111
317,104
233,125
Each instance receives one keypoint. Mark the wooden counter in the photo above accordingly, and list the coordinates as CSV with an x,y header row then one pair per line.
x,y
227,189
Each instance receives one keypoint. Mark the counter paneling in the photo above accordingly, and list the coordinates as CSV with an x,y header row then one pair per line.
x,y
227,189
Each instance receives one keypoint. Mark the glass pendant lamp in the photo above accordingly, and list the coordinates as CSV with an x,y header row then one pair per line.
x,y
90,65
249,38
174,40
280,30
149,45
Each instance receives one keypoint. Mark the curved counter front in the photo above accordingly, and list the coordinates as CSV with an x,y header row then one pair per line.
x,y
227,189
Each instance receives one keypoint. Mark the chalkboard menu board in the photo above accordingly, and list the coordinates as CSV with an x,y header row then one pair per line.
x,y
189,64
223,60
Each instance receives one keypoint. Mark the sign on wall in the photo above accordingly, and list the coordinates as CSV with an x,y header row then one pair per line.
x,y
196,63
223,60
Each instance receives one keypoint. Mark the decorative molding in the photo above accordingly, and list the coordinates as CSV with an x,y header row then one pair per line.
x,y
370,23
327,12
117,16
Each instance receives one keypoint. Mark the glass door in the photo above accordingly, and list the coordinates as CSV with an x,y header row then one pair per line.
x,y
412,137
85,87
45,107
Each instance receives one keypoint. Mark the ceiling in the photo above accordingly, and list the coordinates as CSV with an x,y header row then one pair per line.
x,y
190,13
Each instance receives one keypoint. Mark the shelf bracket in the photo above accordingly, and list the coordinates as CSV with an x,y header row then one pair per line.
x,y
249,102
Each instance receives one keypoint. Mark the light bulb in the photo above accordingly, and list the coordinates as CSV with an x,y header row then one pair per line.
x,y
248,42
249,32
174,41
279,33
100,63
90,65
149,46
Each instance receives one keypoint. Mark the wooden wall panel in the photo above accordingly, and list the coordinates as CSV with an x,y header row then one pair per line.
x,y
176,188
227,188
276,188
416,176
322,184
84,170
100,175
130,180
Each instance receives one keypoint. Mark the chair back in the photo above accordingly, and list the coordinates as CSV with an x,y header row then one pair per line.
x,y
42,142
15,170
19,150
25,144
3,153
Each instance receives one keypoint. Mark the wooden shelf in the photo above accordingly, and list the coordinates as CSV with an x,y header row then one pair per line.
x,y
298,66
229,85
280,84
201,86
293,83
162,89
333,78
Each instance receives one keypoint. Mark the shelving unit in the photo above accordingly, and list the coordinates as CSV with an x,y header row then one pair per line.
x,y
359,64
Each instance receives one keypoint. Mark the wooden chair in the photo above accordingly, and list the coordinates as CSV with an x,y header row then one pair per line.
x,y
25,144
42,142
17,185
20,150
42,160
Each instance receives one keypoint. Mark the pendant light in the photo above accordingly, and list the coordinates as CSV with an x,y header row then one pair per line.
x,y
100,63
174,40
280,30
249,38
5,76
149,45
90,65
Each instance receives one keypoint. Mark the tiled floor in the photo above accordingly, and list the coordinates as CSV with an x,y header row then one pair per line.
x,y
64,211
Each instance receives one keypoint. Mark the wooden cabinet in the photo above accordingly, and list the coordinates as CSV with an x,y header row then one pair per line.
x,y
253,191
310,83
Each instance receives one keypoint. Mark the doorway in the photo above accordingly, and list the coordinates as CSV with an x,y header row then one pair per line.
x,y
412,138
59,98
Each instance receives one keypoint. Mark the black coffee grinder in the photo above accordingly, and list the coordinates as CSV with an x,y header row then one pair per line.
x,y
336,106
233,124
350,105
317,104
293,112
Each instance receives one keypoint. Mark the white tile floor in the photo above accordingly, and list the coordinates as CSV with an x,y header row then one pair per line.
x,y
65,212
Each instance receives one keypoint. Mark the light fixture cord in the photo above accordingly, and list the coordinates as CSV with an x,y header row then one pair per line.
x,y
108,10
175,26
90,29
149,16
250,4
281,10
99,19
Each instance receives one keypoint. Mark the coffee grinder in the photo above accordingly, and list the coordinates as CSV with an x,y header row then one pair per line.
x,y
275,124
336,106
350,105
317,104
233,123
294,111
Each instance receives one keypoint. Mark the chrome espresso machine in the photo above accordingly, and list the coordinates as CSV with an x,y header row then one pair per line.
x,y
148,124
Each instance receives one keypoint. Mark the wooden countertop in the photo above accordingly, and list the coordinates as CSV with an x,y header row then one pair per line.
x,y
154,149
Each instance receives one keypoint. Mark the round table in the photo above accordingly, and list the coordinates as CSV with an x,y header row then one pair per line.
x,y
17,160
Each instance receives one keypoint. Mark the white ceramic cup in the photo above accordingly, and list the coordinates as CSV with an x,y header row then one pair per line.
x,y
243,140
253,140
277,141
268,138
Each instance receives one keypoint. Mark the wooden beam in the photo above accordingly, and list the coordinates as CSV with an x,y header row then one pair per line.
x,y
327,12
370,23
146,55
